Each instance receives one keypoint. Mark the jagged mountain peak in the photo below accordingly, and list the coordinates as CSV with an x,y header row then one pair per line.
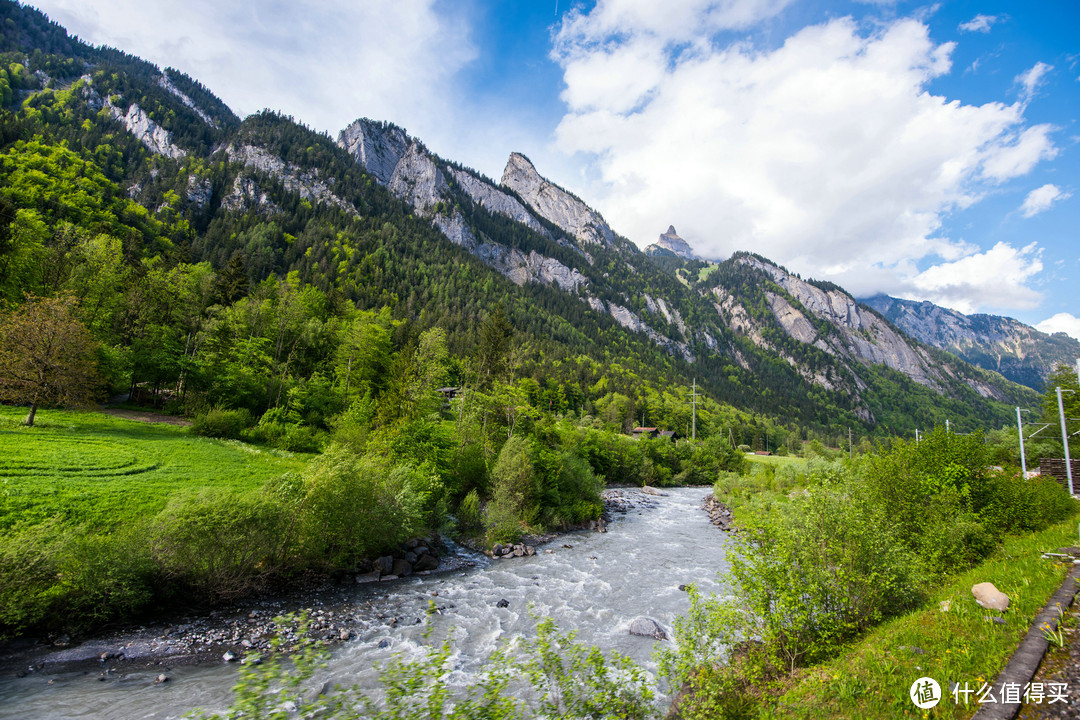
x,y
670,242
555,204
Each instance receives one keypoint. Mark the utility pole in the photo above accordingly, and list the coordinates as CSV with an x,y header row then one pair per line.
x,y
1020,432
917,438
1065,440
849,450
946,426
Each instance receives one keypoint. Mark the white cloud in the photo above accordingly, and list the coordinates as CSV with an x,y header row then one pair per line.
x,y
662,21
827,154
1042,198
1062,322
995,278
1031,79
979,23
325,62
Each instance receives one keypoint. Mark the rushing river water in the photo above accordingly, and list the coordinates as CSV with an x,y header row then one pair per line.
x,y
597,587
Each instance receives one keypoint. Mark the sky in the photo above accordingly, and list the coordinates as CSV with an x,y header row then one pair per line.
x,y
929,151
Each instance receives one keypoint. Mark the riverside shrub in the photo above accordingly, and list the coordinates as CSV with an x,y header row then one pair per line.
x,y
56,576
349,508
219,545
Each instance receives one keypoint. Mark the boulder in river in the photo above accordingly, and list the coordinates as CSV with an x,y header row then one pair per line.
x,y
401,568
647,627
427,561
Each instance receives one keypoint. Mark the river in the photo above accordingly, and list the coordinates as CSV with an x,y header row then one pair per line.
x,y
597,587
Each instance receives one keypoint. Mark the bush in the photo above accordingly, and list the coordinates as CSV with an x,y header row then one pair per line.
x,y
512,504
220,423
469,517
827,567
219,545
350,508
56,576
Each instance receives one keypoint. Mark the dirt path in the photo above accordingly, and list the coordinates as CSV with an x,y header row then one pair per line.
x,y
150,417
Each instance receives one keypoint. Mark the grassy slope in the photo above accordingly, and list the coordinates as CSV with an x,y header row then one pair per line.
x,y
962,645
91,468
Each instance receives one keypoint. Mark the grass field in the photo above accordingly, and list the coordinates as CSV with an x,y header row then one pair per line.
x,y
87,467
774,460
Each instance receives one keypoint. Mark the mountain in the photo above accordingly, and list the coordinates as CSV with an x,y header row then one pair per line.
x,y
374,220
1017,351
670,242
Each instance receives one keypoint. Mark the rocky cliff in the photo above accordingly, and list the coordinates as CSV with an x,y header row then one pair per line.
x,y
423,180
1018,351
556,205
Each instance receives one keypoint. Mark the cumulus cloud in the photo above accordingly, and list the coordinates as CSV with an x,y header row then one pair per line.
x,y
1042,198
325,62
995,278
979,23
828,154
1062,322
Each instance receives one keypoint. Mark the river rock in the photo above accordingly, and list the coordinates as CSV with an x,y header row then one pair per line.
x,y
401,568
385,564
372,576
990,597
647,627
504,603
427,561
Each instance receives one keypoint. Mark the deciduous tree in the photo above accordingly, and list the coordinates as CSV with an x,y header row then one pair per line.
x,y
47,356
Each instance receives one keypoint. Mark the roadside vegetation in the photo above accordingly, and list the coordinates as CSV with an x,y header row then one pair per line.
x,y
830,550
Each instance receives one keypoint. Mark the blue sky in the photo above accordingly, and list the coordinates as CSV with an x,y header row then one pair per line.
x,y
928,151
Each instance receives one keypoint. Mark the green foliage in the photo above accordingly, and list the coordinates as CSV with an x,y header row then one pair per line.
x,y
58,576
572,681
819,566
514,479
214,546
349,508
468,515
218,422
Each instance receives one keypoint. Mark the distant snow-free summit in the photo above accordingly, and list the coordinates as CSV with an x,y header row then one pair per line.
x,y
670,242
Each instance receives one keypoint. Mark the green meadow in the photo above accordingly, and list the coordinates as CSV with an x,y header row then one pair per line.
x,y
101,471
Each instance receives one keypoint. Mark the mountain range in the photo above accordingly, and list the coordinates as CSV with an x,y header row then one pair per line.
x,y
379,219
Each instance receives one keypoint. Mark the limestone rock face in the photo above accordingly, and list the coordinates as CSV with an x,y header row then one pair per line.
x,y
555,204
1016,350
307,184
495,200
859,333
157,139
246,195
990,597
412,173
167,84
671,242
